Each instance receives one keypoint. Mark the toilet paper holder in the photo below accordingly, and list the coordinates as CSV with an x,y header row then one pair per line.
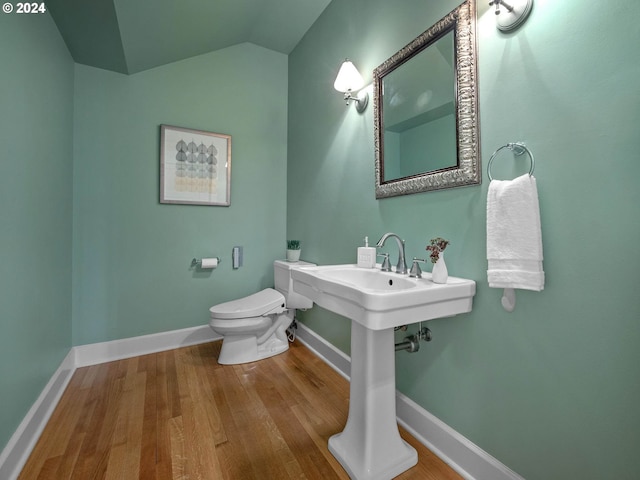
x,y
198,262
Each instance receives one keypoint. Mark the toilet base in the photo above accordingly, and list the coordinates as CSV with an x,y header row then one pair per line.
x,y
244,349
250,348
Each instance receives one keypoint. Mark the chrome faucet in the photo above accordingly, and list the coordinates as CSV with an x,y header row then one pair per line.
x,y
401,267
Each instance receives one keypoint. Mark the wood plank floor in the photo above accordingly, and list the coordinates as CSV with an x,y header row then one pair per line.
x,y
180,415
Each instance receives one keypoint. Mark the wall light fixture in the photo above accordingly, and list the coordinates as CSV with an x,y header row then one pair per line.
x,y
348,81
514,13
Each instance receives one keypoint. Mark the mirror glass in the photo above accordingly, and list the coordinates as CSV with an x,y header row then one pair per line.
x,y
425,110
419,117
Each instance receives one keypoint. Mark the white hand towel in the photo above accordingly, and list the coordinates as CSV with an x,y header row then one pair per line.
x,y
514,236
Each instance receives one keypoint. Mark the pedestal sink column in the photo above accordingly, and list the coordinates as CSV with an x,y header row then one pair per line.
x,y
370,447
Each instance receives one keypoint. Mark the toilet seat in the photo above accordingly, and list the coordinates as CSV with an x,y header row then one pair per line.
x,y
259,304
240,326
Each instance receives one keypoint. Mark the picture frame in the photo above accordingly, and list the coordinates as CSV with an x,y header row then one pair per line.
x,y
195,167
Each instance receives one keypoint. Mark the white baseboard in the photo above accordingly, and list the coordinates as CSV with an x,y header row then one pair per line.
x,y
95,353
464,456
17,451
457,451
20,445
333,357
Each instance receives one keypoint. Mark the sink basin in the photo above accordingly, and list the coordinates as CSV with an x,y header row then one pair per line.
x,y
380,300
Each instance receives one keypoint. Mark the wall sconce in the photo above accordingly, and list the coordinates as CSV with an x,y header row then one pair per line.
x,y
513,15
349,80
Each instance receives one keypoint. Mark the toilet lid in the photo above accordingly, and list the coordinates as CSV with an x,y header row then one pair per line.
x,y
251,306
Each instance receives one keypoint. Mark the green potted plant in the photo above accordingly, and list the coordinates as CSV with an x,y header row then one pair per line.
x,y
293,250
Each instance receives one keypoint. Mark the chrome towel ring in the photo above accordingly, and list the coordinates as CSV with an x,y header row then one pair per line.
x,y
518,149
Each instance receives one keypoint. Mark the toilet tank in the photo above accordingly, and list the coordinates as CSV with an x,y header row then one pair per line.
x,y
284,283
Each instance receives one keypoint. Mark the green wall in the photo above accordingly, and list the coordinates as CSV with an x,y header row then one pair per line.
x,y
90,255
36,107
132,255
552,389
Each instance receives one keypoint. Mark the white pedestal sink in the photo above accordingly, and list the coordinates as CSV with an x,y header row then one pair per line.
x,y
370,447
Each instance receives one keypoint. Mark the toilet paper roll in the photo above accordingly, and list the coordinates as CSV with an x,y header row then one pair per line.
x,y
209,263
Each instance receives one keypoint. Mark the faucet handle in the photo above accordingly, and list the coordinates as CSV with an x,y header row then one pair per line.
x,y
386,266
416,272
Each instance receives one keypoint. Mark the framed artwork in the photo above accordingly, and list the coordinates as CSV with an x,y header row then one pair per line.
x,y
195,167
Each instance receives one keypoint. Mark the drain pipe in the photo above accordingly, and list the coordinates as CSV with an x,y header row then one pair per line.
x,y
412,343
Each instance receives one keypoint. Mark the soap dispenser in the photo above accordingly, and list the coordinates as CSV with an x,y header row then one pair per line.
x,y
366,255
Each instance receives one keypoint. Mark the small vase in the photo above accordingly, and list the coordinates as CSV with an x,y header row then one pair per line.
x,y
293,255
440,274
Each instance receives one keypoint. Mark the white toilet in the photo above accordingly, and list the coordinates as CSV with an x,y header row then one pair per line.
x,y
254,327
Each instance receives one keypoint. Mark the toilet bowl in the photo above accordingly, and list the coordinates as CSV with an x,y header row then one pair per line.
x,y
255,327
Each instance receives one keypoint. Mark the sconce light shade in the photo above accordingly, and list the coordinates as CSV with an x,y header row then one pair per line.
x,y
349,78
348,81
513,14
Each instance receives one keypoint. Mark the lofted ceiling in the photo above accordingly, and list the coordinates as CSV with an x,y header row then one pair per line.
x,y
130,36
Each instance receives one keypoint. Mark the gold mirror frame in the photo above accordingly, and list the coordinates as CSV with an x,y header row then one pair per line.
x,y
462,20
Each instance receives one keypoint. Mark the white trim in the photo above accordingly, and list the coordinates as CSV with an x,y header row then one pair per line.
x,y
17,451
460,453
336,359
96,353
457,451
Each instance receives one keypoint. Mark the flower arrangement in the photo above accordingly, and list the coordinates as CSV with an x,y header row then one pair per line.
x,y
293,244
436,245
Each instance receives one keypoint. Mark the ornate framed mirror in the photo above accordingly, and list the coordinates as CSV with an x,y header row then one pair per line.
x,y
426,110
